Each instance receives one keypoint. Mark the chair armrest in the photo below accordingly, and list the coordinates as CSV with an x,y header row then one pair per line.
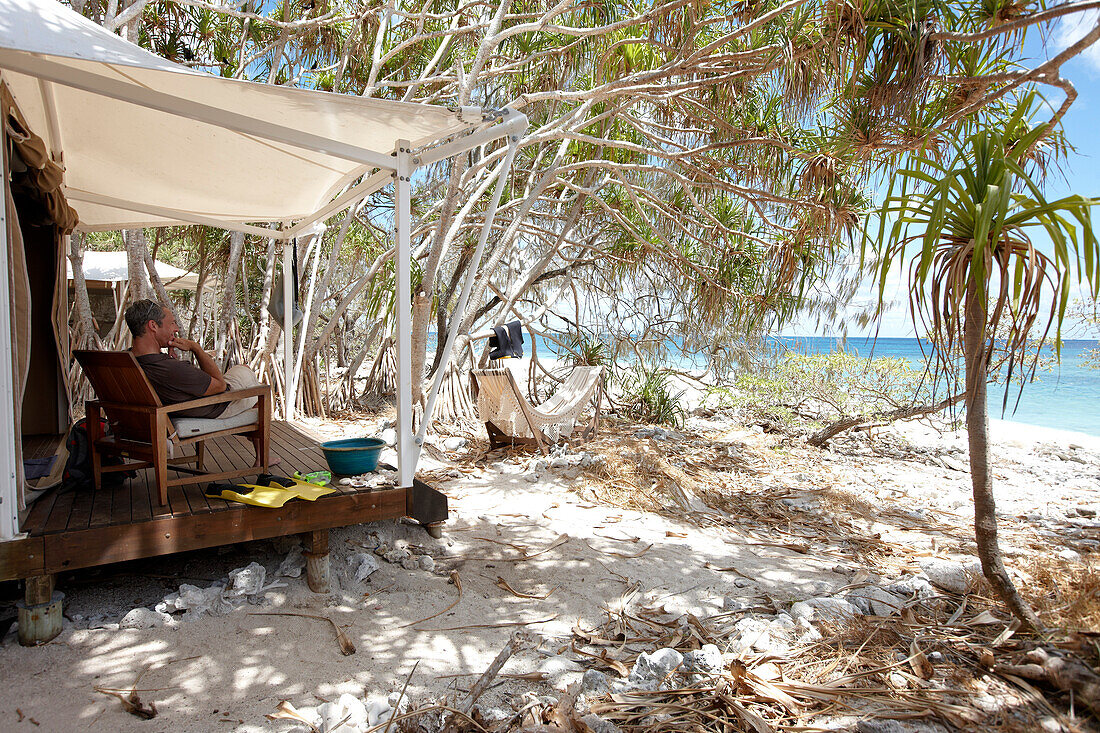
x,y
214,399
120,406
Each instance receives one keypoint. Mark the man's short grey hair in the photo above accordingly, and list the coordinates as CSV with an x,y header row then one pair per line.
x,y
140,313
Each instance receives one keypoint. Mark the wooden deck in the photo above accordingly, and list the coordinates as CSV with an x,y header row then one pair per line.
x,y
66,530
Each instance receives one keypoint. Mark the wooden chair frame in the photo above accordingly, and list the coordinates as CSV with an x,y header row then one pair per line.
x,y
154,453
498,438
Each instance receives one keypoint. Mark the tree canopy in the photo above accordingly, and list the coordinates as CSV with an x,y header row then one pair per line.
x,y
693,168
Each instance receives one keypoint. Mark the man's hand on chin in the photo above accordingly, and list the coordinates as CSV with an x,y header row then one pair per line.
x,y
180,344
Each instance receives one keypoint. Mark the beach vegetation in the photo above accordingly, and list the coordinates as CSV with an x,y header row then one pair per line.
x,y
647,394
824,395
585,350
962,217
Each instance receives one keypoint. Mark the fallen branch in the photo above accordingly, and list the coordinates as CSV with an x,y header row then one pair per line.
x,y
499,625
286,711
621,555
131,701
519,640
346,647
502,583
1062,673
397,705
830,431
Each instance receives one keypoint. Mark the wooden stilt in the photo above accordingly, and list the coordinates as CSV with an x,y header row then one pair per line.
x,y
318,575
427,506
40,611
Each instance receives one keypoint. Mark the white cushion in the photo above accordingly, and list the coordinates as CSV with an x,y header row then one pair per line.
x,y
189,427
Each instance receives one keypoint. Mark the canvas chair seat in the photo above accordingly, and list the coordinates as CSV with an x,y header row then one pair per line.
x,y
501,405
190,427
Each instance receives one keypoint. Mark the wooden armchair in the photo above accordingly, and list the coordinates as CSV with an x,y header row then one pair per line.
x,y
143,429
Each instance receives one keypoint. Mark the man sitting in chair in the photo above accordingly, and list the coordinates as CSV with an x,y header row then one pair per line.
x,y
154,327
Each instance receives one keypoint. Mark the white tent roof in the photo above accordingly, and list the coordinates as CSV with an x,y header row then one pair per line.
x,y
112,267
149,143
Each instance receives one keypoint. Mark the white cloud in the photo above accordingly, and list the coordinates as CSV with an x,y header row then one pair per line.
x,y
1073,28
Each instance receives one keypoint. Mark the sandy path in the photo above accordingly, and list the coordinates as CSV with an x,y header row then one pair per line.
x,y
226,672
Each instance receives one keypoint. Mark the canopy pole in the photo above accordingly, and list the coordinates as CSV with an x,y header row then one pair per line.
x,y
53,126
402,215
460,307
288,331
9,509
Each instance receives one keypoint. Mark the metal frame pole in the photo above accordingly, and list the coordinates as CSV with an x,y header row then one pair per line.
x,y
288,332
460,308
9,492
402,222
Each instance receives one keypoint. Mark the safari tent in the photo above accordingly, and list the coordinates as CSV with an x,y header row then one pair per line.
x,y
102,135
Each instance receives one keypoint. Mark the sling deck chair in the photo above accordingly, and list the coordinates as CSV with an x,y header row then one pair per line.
x,y
142,428
510,419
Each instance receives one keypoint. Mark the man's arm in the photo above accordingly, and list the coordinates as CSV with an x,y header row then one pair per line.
x,y
205,362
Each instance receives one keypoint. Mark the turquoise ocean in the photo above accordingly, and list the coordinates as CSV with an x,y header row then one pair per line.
x,y
1066,398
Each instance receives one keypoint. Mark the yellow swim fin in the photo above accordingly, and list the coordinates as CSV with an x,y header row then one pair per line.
x,y
301,489
264,496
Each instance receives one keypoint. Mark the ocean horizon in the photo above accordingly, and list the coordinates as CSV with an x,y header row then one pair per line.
x,y
1066,397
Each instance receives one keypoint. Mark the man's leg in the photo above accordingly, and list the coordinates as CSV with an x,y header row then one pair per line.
x,y
241,377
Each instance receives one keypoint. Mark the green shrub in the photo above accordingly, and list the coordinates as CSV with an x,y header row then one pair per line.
x,y
648,396
819,388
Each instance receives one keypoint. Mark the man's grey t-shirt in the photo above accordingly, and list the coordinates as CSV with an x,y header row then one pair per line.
x,y
177,381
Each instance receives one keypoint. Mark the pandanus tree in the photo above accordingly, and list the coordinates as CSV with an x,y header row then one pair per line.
x,y
979,283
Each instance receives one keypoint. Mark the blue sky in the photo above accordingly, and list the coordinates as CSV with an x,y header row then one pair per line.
x,y
1080,172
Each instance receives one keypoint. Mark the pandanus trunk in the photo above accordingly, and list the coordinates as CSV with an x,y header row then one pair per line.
x,y
977,431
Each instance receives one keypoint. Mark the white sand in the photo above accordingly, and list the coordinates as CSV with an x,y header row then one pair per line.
x,y
226,673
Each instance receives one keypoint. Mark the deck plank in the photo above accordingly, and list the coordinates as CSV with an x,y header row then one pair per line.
x,y
195,498
304,454
142,499
81,513
122,506
59,512
217,461
299,449
237,452
35,521
102,501
158,510
178,501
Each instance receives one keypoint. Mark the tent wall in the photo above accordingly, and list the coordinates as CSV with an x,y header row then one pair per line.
x,y
33,340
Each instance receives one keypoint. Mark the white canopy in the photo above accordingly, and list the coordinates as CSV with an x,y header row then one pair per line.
x,y
111,267
147,142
